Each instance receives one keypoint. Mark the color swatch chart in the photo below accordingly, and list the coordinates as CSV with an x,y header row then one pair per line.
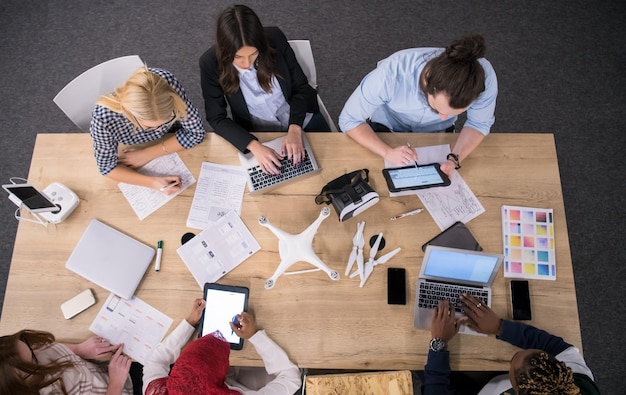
x,y
528,243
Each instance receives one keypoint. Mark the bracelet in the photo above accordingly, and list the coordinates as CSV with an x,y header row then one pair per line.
x,y
454,158
163,146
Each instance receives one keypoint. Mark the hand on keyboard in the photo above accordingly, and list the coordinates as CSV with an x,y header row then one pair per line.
x,y
444,325
481,318
293,147
269,160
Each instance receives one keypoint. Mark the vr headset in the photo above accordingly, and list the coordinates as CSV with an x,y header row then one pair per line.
x,y
350,194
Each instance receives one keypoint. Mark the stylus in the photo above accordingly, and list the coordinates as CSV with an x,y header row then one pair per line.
x,y
414,162
157,264
395,217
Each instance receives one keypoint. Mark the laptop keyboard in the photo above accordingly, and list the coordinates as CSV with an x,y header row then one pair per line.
x,y
261,180
430,293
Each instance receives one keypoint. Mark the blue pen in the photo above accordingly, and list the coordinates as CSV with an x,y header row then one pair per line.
x,y
235,323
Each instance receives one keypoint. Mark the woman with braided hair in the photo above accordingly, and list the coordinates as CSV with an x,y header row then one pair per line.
x,y
546,365
540,373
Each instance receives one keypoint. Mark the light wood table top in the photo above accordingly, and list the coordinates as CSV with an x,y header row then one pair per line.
x,y
320,323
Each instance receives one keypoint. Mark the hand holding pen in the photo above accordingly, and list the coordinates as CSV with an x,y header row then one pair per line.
x,y
402,155
244,325
169,184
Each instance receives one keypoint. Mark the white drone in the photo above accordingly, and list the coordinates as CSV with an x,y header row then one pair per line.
x,y
296,248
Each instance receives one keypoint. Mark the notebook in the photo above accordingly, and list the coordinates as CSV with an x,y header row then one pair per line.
x,y
110,259
456,271
259,182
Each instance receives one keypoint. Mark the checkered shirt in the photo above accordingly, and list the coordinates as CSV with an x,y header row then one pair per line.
x,y
109,128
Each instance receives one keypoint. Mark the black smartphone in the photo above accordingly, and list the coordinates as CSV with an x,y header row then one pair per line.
x,y
396,285
520,300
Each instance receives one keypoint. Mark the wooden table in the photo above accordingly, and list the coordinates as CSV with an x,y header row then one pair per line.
x,y
320,323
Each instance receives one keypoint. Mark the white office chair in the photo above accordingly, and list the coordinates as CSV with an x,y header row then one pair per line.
x,y
304,55
78,97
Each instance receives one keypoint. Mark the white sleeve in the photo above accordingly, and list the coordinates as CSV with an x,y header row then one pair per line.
x,y
574,360
166,353
276,361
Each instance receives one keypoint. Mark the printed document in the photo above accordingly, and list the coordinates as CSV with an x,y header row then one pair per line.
x,y
145,201
133,322
220,189
218,249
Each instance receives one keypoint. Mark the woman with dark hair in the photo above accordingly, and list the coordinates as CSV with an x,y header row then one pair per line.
x,y
253,70
32,362
425,90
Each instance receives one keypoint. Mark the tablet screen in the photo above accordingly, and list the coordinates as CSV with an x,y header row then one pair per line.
x,y
223,302
415,177
31,197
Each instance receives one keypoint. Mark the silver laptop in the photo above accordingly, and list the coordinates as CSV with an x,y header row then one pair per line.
x,y
259,182
110,259
447,273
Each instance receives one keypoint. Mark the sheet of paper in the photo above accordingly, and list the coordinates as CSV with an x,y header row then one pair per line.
x,y
220,188
218,249
145,201
528,243
450,204
133,322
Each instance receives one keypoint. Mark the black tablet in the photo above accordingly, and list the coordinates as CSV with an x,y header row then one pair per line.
x,y
415,177
30,197
456,236
223,303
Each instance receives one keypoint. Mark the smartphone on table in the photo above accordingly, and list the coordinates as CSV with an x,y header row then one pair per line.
x,y
520,300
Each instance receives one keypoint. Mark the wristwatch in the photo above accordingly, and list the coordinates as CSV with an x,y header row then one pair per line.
x,y
438,345
455,159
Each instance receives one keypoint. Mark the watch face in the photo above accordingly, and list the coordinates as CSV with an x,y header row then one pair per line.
x,y
437,345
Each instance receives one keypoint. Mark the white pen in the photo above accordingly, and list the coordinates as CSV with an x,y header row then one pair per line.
x,y
414,164
157,263
419,210
165,188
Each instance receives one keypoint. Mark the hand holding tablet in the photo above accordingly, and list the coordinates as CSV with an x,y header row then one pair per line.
x,y
223,303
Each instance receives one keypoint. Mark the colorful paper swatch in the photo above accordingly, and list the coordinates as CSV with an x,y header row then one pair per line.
x,y
528,243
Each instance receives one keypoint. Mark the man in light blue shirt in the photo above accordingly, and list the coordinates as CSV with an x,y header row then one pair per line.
x,y
424,90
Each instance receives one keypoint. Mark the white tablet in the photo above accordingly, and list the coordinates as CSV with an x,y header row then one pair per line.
x,y
223,303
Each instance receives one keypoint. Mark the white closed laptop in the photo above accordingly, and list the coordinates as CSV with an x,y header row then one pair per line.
x,y
446,273
110,259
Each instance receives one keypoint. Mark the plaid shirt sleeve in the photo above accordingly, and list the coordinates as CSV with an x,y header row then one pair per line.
x,y
105,126
192,131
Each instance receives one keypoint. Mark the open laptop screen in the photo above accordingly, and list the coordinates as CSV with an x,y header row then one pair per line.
x,y
454,264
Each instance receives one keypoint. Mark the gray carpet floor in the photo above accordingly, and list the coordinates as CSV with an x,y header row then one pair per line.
x,y
560,67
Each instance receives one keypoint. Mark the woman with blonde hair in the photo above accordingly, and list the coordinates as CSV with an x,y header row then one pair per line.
x,y
150,106
32,362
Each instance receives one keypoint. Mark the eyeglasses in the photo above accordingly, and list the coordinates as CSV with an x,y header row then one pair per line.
x,y
32,353
153,128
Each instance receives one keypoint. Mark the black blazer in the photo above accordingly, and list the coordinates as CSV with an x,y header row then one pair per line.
x,y
302,98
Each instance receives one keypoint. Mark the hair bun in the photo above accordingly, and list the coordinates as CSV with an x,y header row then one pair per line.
x,y
467,49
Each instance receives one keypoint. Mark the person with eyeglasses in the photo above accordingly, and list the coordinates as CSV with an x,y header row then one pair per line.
x,y
149,116
32,362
